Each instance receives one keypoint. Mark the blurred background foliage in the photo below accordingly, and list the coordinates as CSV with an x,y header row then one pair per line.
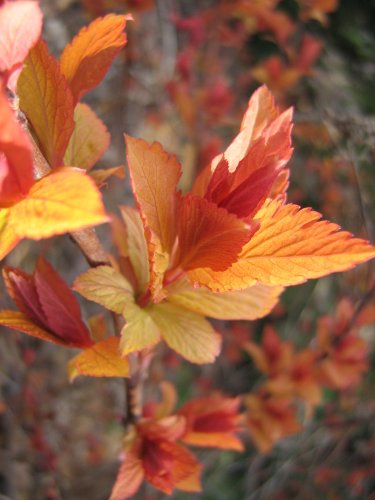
x,y
184,79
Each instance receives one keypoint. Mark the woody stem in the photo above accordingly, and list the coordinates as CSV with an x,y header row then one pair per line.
x,y
94,253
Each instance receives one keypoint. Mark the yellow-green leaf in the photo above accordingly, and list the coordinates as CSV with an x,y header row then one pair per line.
x,y
105,286
136,245
8,239
187,333
140,330
249,304
89,140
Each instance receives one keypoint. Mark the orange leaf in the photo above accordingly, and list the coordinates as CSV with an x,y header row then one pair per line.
x,y
192,483
101,360
65,200
16,164
241,178
189,334
209,236
154,176
129,477
291,246
261,111
8,239
46,100
20,322
89,140
20,28
86,60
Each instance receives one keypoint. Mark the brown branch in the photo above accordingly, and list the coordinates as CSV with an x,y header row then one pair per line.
x,y
95,255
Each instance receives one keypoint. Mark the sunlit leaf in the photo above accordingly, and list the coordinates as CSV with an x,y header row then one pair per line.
x,y
291,246
154,175
209,236
251,303
140,331
261,111
89,140
259,116
86,60
46,100
187,333
65,200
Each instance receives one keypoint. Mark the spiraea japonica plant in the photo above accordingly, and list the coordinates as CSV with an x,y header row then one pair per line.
x,y
225,250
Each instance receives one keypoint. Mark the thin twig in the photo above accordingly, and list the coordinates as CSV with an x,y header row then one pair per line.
x,y
95,255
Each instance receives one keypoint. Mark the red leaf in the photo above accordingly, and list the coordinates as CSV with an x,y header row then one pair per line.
x,y
47,302
21,288
166,464
60,306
